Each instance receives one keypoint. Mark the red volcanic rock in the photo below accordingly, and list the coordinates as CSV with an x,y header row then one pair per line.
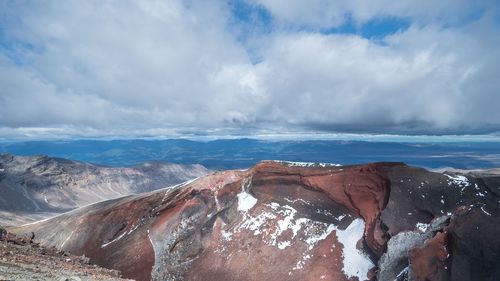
x,y
363,190
467,248
427,262
281,221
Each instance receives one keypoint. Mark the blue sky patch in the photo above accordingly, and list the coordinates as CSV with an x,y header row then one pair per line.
x,y
377,28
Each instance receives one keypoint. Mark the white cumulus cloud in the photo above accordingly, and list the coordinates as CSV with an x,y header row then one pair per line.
x,y
167,67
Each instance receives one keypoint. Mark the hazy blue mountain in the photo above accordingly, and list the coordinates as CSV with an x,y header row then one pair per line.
x,y
241,153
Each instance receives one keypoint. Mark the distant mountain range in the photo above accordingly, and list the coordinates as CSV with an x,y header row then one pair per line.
x,y
37,187
244,153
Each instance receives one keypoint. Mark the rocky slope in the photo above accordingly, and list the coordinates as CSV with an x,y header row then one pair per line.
x,y
38,187
295,221
21,259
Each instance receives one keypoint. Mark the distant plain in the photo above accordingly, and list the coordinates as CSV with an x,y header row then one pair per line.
x,y
243,153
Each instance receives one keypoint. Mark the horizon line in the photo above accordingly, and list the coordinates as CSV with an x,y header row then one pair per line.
x,y
362,137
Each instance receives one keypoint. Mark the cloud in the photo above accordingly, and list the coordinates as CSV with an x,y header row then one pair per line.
x,y
425,79
122,63
170,67
327,13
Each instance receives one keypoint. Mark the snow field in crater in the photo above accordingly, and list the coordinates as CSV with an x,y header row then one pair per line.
x,y
281,219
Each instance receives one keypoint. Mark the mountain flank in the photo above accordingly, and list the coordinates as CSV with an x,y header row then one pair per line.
x,y
38,187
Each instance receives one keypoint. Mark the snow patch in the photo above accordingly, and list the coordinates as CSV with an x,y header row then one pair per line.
x,y
170,188
246,201
114,240
67,239
484,211
297,200
228,236
403,273
458,180
152,246
356,263
323,212
312,240
287,221
300,264
133,229
283,245
255,223
422,226
305,164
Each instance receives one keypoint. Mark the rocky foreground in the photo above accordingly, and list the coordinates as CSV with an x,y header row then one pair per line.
x,y
21,259
295,221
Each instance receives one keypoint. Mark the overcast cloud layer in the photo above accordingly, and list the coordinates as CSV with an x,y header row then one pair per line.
x,y
92,68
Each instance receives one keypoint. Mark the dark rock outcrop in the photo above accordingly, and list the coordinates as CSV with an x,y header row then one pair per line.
x,y
3,233
19,239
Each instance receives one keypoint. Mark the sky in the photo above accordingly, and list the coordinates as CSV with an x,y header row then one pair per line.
x,y
248,67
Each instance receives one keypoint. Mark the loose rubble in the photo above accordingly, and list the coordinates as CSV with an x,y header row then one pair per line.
x,y
22,259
